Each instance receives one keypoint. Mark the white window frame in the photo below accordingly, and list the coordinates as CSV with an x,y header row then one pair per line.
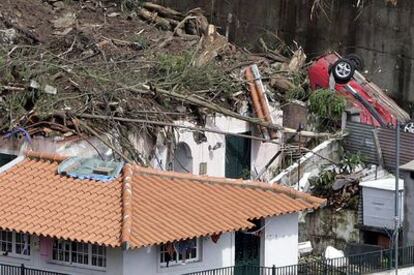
x,y
175,263
13,252
81,265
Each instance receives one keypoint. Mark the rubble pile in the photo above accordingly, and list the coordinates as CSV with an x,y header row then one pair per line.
x,y
114,67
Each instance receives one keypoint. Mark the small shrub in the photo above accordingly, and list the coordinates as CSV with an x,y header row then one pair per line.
x,y
350,162
328,107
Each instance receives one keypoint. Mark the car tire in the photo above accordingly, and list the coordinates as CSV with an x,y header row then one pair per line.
x,y
343,70
358,61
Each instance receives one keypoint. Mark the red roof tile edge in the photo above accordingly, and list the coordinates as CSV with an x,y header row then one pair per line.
x,y
126,205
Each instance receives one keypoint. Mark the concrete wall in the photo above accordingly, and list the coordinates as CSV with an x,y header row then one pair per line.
x,y
329,227
37,261
381,33
281,241
145,261
408,225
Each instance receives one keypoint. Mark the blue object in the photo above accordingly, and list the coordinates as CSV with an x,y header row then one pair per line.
x,y
91,168
17,130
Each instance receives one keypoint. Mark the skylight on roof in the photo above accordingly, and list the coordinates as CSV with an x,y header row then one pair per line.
x,y
90,168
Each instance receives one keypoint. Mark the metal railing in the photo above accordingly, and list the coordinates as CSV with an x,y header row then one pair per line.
x,y
22,270
365,263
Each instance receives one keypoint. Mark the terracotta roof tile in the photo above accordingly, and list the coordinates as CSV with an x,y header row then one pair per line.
x,y
143,207
38,201
168,206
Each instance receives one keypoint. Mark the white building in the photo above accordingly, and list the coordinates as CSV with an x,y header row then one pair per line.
x,y
133,224
378,210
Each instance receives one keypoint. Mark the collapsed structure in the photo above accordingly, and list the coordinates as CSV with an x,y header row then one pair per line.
x,y
142,84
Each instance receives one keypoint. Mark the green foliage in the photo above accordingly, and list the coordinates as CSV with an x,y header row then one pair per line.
x,y
328,107
177,72
350,162
141,41
327,104
297,92
322,185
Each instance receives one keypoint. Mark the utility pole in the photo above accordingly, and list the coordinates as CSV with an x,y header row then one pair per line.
x,y
397,193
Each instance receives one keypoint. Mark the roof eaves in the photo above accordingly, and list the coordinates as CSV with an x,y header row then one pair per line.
x,y
11,164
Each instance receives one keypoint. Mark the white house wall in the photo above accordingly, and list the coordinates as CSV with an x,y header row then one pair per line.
x,y
36,261
146,261
280,241
261,152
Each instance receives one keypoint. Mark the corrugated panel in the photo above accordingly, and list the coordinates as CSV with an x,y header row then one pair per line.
x,y
361,140
387,141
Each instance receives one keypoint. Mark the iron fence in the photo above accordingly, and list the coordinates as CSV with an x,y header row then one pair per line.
x,y
366,263
22,270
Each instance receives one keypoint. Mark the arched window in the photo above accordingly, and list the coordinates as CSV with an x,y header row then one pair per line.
x,y
183,160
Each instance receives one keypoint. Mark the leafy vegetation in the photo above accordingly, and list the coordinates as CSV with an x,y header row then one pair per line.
x,y
177,72
350,162
328,107
322,184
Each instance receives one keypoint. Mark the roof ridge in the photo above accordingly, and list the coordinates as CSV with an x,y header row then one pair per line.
x,y
275,187
45,156
126,206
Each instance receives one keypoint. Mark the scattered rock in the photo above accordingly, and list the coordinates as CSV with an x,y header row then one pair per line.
x,y
113,14
64,22
59,5
34,84
50,90
8,36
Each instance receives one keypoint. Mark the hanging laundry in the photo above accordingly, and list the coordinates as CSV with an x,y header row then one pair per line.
x,y
215,237
183,247
26,244
170,252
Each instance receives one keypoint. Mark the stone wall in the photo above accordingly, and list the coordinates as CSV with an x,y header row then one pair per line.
x,y
328,227
380,33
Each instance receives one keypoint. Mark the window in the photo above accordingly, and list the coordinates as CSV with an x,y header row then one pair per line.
x,y
79,253
98,255
6,241
180,252
15,244
22,244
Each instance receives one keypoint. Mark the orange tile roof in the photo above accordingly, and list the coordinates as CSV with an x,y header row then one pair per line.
x,y
143,207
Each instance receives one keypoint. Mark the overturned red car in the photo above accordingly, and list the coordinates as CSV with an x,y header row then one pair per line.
x,y
341,74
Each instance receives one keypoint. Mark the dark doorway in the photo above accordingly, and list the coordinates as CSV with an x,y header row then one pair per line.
x,y
247,245
237,157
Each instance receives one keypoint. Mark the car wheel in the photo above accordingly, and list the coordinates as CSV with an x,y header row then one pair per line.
x,y
358,61
343,70
409,127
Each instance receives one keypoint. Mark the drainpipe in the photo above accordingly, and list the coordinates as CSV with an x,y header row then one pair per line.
x,y
397,193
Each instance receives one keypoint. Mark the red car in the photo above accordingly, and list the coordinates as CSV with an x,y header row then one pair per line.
x,y
341,74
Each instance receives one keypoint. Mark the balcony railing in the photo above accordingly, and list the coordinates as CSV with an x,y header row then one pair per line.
x,y
22,270
366,263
